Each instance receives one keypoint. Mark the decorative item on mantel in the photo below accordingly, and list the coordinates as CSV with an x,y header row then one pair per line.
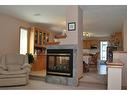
x,y
52,43
60,36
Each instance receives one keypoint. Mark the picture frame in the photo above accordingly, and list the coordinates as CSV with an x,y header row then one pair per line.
x,y
71,26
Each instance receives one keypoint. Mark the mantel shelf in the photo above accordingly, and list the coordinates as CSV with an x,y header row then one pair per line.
x,y
53,43
60,36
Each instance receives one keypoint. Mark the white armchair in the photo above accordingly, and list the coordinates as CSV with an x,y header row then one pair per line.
x,y
14,70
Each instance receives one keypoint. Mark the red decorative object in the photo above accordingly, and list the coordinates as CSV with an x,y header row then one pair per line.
x,y
60,36
53,43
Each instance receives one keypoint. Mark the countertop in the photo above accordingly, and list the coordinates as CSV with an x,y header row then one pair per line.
x,y
115,64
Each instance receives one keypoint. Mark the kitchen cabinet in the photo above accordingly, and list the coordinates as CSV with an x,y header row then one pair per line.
x,y
87,44
40,63
117,40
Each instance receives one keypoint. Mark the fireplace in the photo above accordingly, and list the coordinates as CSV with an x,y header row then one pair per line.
x,y
60,62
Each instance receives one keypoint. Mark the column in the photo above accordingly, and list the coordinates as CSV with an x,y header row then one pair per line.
x,y
74,27
125,35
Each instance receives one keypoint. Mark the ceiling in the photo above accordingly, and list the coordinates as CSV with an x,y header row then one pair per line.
x,y
99,20
103,20
51,17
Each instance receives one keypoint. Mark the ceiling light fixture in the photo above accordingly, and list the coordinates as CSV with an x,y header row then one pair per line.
x,y
37,14
86,34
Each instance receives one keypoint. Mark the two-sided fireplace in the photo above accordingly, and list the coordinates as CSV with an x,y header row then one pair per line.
x,y
60,62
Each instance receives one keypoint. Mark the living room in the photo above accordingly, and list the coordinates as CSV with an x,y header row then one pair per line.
x,y
50,21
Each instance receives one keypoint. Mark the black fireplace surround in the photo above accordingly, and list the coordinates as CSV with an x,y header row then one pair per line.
x,y
60,62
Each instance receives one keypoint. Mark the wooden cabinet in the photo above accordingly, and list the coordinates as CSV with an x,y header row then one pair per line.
x,y
37,46
117,40
37,40
40,63
84,44
87,44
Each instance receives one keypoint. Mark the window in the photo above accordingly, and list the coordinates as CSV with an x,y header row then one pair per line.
x,y
23,40
103,47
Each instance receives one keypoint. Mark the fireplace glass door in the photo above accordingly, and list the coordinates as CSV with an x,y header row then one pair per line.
x,y
59,63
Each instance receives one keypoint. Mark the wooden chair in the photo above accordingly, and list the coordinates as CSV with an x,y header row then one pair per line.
x,y
86,61
85,67
93,61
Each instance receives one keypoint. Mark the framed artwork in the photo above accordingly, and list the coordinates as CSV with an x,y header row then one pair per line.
x,y
71,26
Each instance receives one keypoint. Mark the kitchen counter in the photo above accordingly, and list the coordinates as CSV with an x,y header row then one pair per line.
x,y
121,57
115,64
114,75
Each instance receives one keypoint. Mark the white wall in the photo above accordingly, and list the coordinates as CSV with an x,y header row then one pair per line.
x,y
9,34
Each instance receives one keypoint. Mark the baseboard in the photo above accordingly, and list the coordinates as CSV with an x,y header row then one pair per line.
x,y
39,78
124,87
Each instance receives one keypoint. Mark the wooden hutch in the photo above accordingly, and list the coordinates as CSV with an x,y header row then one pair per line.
x,y
37,46
38,40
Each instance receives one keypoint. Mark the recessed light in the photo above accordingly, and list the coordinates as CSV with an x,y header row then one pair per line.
x,y
37,14
64,30
64,22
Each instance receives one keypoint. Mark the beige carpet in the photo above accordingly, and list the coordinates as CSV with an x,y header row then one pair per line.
x,y
42,85
94,77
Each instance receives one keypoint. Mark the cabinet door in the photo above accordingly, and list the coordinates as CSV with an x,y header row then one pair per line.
x,y
47,37
40,63
44,38
40,38
84,44
36,37
94,43
88,44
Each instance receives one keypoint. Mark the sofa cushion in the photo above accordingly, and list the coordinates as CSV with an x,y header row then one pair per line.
x,y
15,67
13,72
12,76
21,59
2,63
11,59
15,59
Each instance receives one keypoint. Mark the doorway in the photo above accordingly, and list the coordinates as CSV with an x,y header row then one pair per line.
x,y
95,67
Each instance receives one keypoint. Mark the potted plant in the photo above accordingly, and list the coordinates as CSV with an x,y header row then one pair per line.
x,y
30,58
